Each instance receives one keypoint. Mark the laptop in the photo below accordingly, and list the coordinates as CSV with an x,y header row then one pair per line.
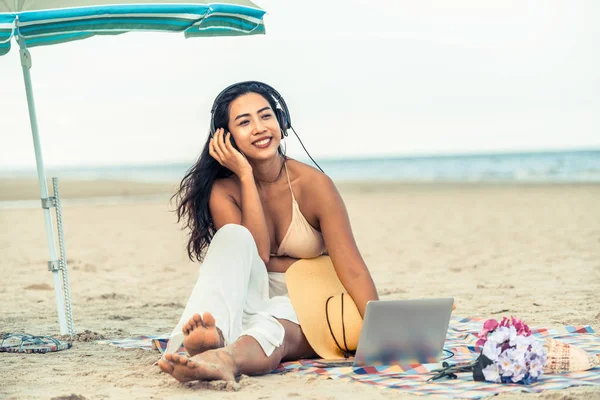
x,y
400,332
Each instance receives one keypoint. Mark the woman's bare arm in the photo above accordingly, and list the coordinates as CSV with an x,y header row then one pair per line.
x,y
223,206
225,210
280,264
337,232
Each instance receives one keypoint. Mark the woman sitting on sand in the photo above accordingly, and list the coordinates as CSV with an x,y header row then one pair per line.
x,y
252,213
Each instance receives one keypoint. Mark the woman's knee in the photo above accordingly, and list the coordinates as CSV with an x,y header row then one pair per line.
x,y
234,233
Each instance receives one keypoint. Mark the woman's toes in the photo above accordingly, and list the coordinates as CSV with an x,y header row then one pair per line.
x,y
197,320
183,360
165,366
209,320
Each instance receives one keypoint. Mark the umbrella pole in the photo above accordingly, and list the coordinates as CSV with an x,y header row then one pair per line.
x,y
53,264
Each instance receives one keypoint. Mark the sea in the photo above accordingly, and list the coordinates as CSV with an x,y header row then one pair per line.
x,y
543,167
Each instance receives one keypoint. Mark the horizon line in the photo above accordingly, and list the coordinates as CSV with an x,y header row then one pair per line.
x,y
401,156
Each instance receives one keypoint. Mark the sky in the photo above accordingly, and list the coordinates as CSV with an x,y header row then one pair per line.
x,y
367,78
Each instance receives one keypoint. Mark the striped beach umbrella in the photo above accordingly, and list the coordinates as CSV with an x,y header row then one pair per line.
x,y
34,23
44,22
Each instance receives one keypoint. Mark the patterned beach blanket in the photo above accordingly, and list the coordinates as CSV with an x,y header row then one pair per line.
x,y
413,378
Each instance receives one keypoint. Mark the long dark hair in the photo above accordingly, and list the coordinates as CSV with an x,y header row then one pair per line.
x,y
192,197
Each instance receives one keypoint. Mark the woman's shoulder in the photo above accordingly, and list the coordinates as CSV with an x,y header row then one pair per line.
x,y
226,187
303,170
308,177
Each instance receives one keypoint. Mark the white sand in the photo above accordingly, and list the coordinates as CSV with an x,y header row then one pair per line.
x,y
528,250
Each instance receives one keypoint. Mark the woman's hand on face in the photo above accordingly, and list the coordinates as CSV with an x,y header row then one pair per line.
x,y
222,150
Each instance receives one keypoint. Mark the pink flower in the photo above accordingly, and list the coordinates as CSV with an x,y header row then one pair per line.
x,y
492,325
489,326
522,329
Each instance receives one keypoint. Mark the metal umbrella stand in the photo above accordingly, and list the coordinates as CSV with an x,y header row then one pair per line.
x,y
58,266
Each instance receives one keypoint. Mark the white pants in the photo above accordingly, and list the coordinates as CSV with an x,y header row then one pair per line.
x,y
234,286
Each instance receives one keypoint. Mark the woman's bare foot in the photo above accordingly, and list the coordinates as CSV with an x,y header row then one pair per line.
x,y
201,334
211,365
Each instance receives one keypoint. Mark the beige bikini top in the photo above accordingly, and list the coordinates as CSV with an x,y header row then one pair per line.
x,y
301,239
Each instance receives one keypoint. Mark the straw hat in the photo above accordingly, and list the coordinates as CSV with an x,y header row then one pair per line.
x,y
327,314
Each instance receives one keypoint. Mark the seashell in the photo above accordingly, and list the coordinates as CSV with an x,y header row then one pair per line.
x,y
563,357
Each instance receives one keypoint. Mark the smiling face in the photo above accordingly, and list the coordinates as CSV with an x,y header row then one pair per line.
x,y
254,126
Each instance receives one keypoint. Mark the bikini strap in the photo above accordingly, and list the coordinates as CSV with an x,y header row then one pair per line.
x,y
288,179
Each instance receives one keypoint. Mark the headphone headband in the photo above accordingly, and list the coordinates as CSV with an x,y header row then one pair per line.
x,y
284,120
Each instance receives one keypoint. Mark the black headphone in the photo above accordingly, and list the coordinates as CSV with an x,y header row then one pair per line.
x,y
282,114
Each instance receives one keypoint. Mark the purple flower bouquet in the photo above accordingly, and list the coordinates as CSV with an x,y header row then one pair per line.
x,y
510,354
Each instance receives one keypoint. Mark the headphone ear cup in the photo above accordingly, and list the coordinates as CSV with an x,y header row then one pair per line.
x,y
282,119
